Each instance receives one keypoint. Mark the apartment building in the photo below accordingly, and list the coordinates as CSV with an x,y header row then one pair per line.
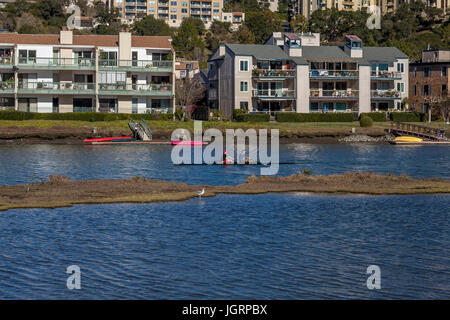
x,y
307,7
172,11
307,78
429,79
79,73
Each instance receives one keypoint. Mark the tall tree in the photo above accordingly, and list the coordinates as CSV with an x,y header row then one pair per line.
x,y
188,92
263,24
150,26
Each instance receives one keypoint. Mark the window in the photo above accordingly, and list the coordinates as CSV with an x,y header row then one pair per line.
x,y
184,4
244,86
151,9
426,90
401,87
6,103
215,4
444,71
173,16
159,56
414,72
55,105
444,89
27,56
426,72
244,105
415,90
243,65
173,3
173,9
384,67
27,104
183,10
111,77
107,105
400,67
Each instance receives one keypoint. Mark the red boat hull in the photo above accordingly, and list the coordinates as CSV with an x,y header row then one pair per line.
x,y
107,139
188,143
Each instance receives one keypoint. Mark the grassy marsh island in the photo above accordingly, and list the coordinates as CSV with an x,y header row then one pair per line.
x,y
60,191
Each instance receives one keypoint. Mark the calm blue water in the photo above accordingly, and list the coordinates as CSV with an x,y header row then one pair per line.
x,y
229,246
19,163
233,246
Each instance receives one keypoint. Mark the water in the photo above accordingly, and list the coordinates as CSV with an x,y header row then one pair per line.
x,y
20,163
228,246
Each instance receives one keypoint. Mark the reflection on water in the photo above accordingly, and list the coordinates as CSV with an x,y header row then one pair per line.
x,y
19,163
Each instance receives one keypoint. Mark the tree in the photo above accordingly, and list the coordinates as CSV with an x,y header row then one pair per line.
x,y
150,26
263,24
299,24
244,35
187,93
105,15
187,39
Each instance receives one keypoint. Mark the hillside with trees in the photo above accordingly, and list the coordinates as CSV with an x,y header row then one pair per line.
x,y
411,28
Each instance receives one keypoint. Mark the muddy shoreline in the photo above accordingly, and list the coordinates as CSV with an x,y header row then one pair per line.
x,y
60,191
59,135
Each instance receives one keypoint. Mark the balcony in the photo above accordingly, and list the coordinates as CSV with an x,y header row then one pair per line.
x,y
327,74
137,65
319,94
57,63
6,62
274,94
163,4
385,94
273,73
6,87
56,88
384,75
135,89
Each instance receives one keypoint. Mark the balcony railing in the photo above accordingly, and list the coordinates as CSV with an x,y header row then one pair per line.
x,y
334,73
137,89
348,93
147,65
57,87
57,62
273,73
385,74
385,94
282,94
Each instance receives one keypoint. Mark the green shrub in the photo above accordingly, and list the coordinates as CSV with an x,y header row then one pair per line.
x,y
314,117
366,122
247,117
375,116
236,113
408,116
81,116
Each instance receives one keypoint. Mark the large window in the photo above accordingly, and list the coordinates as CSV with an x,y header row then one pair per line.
x,y
27,56
426,72
426,90
400,67
27,104
83,105
107,105
444,71
158,56
6,103
108,58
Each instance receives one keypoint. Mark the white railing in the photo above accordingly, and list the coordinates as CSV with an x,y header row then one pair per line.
x,y
333,93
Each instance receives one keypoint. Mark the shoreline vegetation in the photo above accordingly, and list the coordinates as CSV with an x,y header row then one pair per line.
x,y
74,132
60,191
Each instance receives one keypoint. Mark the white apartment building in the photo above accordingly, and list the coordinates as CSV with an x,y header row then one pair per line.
x,y
79,73
172,11
307,78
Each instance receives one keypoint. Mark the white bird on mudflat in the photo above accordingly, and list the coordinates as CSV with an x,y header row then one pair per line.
x,y
200,193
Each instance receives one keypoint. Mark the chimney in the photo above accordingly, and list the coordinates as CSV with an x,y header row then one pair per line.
x,y
66,36
221,50
353,46
124,45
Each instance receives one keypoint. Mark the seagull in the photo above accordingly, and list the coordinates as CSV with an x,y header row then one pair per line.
x,y
200,193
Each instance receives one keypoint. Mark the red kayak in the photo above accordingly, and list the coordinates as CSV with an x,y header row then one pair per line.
x,y
189,143
107,139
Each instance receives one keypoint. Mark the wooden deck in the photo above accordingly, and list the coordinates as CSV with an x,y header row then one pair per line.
x,y
414,130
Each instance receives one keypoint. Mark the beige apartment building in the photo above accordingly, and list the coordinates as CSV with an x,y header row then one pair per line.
x,y
307,7
86,73
172,11
301,76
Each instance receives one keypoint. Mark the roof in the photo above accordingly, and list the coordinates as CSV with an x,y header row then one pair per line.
x,y
292,36
352,37
92,40
383,53
182,65
259,51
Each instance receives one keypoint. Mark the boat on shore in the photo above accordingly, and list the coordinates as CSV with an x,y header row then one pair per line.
x,y
408,139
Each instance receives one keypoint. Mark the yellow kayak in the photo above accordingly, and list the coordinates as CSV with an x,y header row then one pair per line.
x,y
408,139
